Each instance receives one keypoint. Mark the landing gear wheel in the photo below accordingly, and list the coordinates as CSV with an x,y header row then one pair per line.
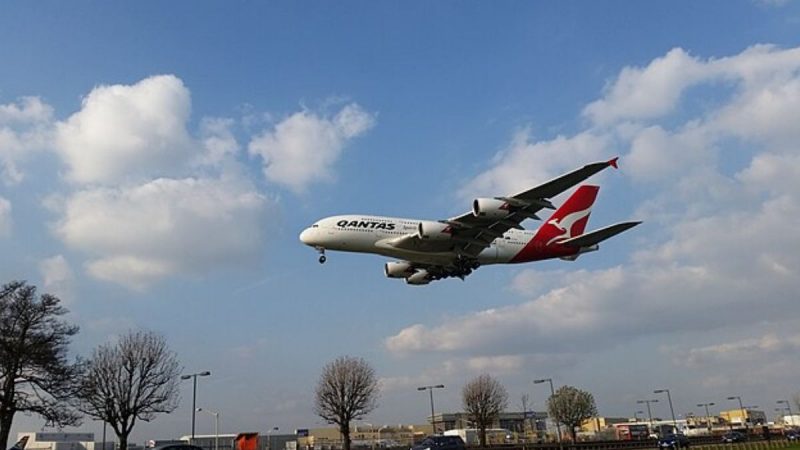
x,y
322,259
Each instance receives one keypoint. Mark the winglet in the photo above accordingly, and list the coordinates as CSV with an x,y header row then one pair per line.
x,y
613,162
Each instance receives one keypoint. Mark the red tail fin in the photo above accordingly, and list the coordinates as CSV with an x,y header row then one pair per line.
x,y
570,219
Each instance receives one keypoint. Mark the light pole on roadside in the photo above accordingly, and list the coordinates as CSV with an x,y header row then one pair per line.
x,y
789,408
104,433
708,415
216,425
649,411
430,391
552,394
743,411
671,410
379,434
194,376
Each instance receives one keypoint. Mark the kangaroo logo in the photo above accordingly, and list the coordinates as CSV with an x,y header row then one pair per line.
x,y
565,224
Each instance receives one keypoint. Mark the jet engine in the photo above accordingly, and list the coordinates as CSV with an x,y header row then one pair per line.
x,y
418,278
435,231
398,269
490,208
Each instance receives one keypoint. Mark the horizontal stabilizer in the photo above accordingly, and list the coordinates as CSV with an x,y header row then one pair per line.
x,y
597,236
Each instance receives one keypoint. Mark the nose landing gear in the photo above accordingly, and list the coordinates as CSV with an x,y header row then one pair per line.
x,y
322,257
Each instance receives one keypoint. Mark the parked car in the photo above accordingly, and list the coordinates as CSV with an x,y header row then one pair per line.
x,y
793,435
733,436
440,443
673,441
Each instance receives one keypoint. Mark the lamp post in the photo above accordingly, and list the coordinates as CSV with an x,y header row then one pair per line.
x,y
216,425
708,415
269,438
194,376
379,434
671,410
371,433
552,394
430,391
744,413
104,433
649,412
788,407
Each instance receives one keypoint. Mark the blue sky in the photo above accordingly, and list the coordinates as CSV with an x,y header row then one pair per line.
x,y
157,162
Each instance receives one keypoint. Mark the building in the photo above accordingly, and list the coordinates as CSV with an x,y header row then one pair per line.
x,y
598,424
516,422
744,417
362,436
792,421
58,441
206,441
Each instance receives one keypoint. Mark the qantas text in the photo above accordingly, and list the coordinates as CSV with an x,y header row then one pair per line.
x,y
365,224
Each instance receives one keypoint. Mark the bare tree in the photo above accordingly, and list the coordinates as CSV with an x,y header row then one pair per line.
x,y
484,398
347,390
571,406
134,379
35,374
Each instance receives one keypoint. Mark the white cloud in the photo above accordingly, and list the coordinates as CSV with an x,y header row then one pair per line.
x,y
643,93
525,162
127,132
136,235
759,73
58,277
5,218
218,141
302,149
760,350
25,126
726,207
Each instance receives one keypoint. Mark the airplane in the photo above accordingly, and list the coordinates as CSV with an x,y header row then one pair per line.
x,y
20,445
489,234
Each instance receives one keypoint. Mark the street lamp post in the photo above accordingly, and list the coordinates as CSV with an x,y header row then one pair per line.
x,y
194,376
380,443
371,433
104,433
744,413
649,411
430,391
216,425
671,410
788,407
552,394
269,436
708,415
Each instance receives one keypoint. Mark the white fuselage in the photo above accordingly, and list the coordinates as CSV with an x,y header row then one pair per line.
x,y
373,234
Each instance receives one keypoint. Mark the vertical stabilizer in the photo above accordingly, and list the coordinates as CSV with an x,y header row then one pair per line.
x,y
570,219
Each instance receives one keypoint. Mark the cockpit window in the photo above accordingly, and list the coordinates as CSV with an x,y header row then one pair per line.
x,y
314,226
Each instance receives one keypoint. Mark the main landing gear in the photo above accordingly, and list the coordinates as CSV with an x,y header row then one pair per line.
x,y
322,257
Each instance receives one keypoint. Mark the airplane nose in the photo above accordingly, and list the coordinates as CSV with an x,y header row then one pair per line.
x,y
306,236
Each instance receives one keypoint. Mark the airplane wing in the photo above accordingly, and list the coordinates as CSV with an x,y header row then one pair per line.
x,y
473,233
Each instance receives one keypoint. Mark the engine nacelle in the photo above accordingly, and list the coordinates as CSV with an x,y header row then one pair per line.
x,y
398,269
490,208
435,231
418,278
